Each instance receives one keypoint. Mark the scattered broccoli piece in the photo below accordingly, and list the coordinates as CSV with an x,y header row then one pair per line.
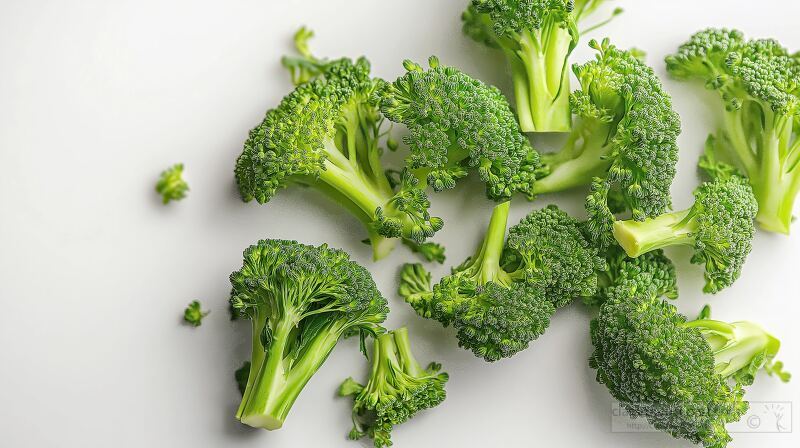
x,y
659,268
719,226
428,251
240,375
458,123
686,378
171,185
537,38
757,81
397,388
624,144
325,134
301,300
306,66
502,298
193,315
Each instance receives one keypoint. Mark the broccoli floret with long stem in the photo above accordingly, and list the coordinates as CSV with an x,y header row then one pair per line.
x,y
686,378
194,314
300,300
397,389
719,226
758,134
171,185
326,134
502,298
457,124
624,143
537,38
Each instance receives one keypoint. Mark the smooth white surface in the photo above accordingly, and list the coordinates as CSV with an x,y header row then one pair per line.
x,y
97,97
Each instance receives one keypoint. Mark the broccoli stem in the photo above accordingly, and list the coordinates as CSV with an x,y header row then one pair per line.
x,y
256,357
278,381
670,229
487,259
736,345
579,161
407,359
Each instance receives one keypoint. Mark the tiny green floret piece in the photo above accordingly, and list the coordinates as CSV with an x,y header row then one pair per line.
x,y
719,226
685,377
397,389
300,300
171,185
193,315
758,82
458,124
655,265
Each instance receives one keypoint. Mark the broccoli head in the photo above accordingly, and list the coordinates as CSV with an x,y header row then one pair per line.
x,y
624,144
658,268
719,226
300,300
759,84
458,123
171,185
537,38
397,388
686,378
325,134
502,298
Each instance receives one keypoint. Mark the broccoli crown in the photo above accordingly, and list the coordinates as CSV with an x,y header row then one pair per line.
x,y
194,314
171,185
458,123
396,390
549,249
513,17
655,267
301,299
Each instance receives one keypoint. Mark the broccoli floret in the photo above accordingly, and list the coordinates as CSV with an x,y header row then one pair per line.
x,y
429,251
719,226
537,38
457,123
171,185
759,135
325,134
397,388
502,298
655,264
624,144
686,378
193,315
240,375
300,300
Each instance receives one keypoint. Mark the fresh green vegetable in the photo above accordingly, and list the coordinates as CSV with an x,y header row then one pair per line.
x,y
621,268
537,38
300,300
456,124
685,377
719,226
624,143
503,297
757,81
397,388
193,315
171,185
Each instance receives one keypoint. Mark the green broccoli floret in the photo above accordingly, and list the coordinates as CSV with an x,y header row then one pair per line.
x,y
300,300
621,268
397,388
537,38
457,123
325,134
757,81
171,185
193,315
719,226
686,378
240,375
624,143
502,298
428,251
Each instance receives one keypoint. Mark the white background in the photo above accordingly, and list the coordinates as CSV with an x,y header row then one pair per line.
x,y
97,97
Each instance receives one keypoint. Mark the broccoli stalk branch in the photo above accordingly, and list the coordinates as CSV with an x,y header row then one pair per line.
x,y
669,229
486,262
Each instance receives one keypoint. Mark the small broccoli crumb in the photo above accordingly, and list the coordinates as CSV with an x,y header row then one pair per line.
x,y
171,185
193,315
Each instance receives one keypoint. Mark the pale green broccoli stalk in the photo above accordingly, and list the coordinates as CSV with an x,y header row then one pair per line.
x,y
326,134
537,38
719,226
300,300
458,124
757,81
171,185
624,143
502,298
397,389
193,315
685,378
